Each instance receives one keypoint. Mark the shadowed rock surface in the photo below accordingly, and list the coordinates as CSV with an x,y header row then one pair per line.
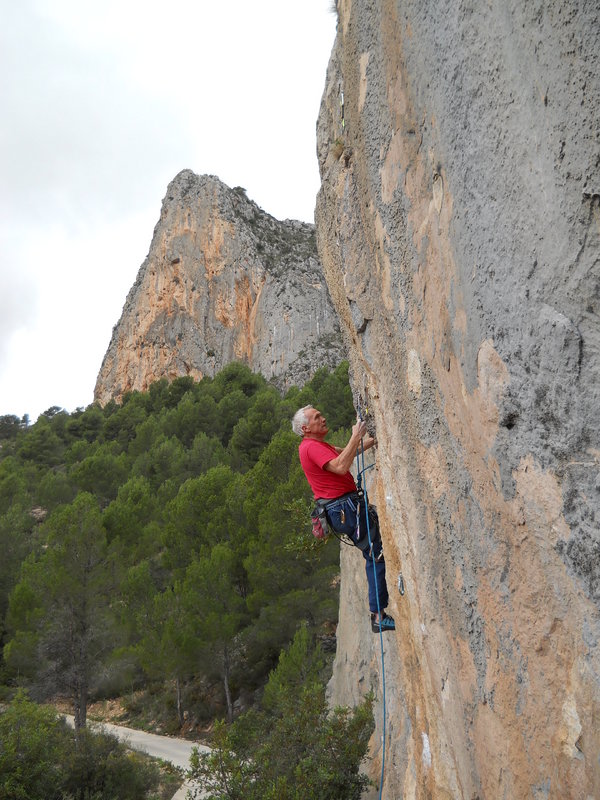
x,y
222,281
458,225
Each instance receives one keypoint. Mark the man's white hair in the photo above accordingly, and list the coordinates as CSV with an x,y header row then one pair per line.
x,y
299,420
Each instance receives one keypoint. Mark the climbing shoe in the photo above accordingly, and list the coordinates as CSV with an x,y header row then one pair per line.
x,y
387,623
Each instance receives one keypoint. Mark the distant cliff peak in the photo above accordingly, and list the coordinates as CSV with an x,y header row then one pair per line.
x,y
223,281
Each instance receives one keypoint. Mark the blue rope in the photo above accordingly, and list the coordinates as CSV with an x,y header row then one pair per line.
x,y
360,473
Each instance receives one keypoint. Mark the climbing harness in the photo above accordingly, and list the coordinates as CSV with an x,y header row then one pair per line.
x,y
360,470
320,525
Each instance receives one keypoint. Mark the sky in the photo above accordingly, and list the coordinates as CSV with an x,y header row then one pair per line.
x,y
103,104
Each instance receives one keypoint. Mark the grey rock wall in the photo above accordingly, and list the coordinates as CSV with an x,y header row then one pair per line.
x,y
458,224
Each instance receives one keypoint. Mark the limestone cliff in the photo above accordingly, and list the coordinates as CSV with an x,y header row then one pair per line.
x,y
458,225
223,281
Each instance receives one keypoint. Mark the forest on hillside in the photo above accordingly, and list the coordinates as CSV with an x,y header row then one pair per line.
x,y
159,549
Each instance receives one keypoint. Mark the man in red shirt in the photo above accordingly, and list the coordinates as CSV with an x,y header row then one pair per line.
x,y
327,470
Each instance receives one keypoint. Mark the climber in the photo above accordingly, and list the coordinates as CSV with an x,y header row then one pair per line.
x,y
327,470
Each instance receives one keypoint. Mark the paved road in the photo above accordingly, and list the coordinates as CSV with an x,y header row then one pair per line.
x,y
176,751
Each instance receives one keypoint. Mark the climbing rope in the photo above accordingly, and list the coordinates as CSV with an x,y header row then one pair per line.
x,y
360,470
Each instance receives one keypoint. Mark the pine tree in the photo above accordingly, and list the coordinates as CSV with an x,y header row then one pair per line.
x,y
60,610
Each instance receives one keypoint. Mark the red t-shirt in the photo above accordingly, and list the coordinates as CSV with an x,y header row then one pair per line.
x,y
314,454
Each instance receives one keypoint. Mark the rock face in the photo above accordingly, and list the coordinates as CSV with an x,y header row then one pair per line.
x,y
458,225
223,281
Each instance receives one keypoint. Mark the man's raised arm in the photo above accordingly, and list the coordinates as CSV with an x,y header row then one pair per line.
x,y
341,465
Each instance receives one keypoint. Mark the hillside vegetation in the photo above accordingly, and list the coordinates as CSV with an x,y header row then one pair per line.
x,y
160,549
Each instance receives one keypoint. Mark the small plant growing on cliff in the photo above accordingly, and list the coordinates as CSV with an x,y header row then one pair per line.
x,y
337,148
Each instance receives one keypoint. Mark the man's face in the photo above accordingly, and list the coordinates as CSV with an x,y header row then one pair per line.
x,y
316,424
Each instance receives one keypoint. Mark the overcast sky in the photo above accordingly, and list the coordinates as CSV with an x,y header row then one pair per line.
x,y
103,104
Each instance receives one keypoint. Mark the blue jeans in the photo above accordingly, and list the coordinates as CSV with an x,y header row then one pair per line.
x,y
342,516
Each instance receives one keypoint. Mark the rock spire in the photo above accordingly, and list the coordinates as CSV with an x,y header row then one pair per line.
x,y
222,281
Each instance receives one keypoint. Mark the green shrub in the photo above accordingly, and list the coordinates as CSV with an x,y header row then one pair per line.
x,y
295,748
42,759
